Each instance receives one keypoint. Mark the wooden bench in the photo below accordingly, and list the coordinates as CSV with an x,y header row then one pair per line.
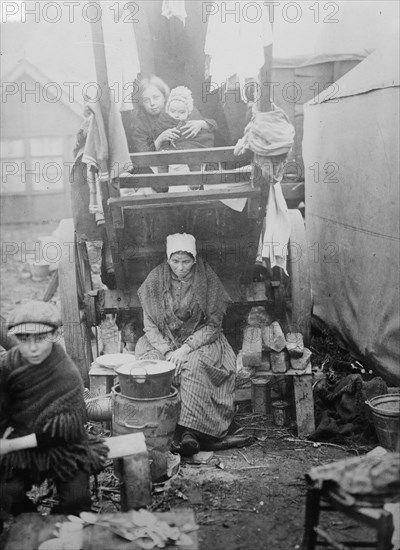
x,y
302,386
379,519
101,380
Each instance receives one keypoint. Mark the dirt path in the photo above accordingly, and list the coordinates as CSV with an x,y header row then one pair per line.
x,y
250,498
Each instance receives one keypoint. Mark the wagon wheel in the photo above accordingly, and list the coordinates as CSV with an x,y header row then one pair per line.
x,y
74,283
299,285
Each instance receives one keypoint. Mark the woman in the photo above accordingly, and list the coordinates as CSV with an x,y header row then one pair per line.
x,y
183,304
141,124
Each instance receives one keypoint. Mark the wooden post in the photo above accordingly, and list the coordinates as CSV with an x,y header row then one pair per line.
x,y
264,101
303,396
74,331
131,463
105,105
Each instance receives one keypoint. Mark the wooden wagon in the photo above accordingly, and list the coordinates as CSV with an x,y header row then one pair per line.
x,y
136,227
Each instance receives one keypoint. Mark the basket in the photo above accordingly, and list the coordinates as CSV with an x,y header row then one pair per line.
x,y
386,417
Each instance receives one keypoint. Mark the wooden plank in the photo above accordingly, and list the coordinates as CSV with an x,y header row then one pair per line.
x,y
189,156
279,362
301,363
186,197
30,530
295,344
304,402
101,380
157,181
68,288
126,445
273,338
112,238
252,347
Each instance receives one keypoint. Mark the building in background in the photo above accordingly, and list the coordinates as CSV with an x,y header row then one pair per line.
x,y
39,124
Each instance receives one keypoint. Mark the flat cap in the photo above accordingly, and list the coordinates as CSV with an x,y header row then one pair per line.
x,y
34,317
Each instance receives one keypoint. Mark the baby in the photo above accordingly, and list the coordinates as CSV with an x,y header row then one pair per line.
x,y
176,134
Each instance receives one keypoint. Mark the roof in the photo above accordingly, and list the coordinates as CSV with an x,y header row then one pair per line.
x,y
379,70
23,67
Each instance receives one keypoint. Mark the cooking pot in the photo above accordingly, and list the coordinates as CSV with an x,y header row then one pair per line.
x,y
146,379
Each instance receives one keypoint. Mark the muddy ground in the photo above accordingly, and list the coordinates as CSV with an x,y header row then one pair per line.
x,y
249,498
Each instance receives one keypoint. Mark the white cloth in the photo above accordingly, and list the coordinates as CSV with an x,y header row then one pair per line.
x,y
181,242
274,242
235,42
174,7
121,54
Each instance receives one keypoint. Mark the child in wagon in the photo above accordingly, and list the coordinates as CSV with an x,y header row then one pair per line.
x,y
42,417
179,109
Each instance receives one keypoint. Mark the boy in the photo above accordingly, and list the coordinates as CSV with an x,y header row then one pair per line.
x,y
42,416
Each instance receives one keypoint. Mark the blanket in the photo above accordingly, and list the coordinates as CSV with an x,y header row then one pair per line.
x,y
204,139
340,409
47,400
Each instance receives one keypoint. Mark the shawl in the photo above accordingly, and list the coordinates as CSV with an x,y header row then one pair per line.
x,y
47,399
208,290
142,129
204,139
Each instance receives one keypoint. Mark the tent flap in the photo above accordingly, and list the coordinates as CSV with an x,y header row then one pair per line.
x,y
350,152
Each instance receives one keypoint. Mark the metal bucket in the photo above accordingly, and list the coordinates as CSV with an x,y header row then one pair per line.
x,y
280,412
156,418
146,379
386,417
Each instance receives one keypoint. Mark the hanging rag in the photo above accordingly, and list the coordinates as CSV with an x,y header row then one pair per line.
x,y
103,160
235,43
275,237
270,136
122,58
268,133
174,8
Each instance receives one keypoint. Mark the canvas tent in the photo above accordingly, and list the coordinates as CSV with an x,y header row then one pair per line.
x,y
350,147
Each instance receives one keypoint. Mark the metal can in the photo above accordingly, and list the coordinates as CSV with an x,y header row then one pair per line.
x,y
259,395
280,412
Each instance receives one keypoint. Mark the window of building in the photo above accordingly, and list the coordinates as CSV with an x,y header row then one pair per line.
x,y
34,164
12,164
46,160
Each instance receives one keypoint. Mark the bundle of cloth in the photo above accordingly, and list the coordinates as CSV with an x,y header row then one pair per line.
x,y
367,479
341,410
267,134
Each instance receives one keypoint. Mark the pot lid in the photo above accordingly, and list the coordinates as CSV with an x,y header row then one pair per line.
x,y
147,366
113,360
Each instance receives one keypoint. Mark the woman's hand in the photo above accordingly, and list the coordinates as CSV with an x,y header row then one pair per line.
x,y
178,357
168,135
193,127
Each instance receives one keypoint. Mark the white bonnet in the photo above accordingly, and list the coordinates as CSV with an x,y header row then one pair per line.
x,y
183,94
181,242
